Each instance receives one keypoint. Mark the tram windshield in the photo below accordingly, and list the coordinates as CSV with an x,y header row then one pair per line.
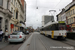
x,y
62,26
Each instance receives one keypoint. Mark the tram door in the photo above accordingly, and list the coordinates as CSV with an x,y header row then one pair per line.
x,y
52,34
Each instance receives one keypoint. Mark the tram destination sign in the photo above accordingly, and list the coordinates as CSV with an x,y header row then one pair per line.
x,y
61,21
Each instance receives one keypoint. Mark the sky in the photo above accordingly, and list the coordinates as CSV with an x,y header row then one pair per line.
x,y
34,16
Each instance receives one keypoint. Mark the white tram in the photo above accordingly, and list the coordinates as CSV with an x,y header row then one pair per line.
x,y
55,30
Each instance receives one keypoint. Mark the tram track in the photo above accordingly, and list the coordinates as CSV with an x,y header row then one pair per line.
x,y
57,41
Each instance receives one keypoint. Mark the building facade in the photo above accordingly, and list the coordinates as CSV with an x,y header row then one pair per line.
x,y
70,14
62,16
5,15
46,19
17,22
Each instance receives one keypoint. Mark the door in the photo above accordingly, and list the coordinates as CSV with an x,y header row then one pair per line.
x,y
52,34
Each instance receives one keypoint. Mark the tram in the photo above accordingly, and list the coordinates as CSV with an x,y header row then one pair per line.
x,y
56,30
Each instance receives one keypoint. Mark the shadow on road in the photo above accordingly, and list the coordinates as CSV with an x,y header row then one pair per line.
x,y
15,43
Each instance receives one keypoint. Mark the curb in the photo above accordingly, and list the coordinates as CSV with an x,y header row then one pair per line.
x,y
26,44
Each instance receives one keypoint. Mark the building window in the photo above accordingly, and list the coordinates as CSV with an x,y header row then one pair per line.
x,y
7,4
12,10
73,11
72,20
0,21
1,2
17,15
14,13
68,21
69,13
14,2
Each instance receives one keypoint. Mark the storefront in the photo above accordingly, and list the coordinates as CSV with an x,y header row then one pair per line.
x,y
22,27
0,21
73,27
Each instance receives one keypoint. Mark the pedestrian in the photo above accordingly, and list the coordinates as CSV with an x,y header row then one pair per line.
x,y
6,35
1,34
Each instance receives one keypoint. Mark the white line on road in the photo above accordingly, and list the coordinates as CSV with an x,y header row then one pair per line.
x,y
24,46
43,43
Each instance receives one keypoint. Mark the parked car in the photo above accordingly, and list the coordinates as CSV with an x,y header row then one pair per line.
x,y
27,32
16,37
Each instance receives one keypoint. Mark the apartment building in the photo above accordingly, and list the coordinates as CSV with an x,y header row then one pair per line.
x,y
61,16
18,20
70,14
5,15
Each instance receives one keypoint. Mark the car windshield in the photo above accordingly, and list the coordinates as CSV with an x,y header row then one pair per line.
x,y
16,33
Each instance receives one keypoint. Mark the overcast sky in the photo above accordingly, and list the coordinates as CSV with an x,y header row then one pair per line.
x,y
34,16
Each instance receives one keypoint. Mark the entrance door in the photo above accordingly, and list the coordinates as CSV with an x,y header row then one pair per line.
x,y
0,22
6,24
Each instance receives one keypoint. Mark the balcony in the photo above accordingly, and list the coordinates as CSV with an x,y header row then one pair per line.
x,y
22,22
7,12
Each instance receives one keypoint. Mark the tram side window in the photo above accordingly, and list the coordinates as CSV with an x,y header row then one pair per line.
x,y
56,27
41,29
53,27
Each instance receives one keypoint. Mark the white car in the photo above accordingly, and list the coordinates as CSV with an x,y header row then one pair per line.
x,y
16,37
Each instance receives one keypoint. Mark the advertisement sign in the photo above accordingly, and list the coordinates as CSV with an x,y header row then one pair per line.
x,y
73,25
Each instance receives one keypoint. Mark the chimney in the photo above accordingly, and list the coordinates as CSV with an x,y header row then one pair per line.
x,y
63,9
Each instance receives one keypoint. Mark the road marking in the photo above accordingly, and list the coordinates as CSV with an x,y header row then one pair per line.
x,y
43,43
24,45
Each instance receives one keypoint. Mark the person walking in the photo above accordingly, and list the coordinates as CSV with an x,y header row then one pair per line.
x,y
6,35
1,34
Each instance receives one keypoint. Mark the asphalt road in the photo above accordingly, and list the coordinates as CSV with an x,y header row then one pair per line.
x,y
41,42
14,46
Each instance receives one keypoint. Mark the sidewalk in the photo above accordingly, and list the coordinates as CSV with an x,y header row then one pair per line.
x,y
3,44
70,42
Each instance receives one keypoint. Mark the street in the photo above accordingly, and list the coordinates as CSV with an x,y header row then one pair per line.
x,y
40,42
12,46
36,41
